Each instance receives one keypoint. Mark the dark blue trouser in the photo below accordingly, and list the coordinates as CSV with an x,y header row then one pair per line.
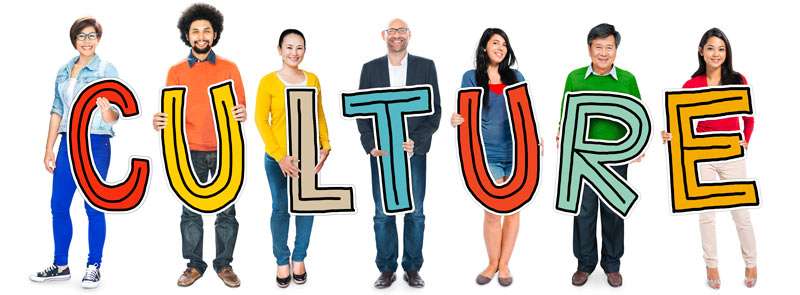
x,y
413,223
64,189
584,232
226,227
279,221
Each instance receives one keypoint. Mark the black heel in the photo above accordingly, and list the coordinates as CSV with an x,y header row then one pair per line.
x,y
283,282
300,279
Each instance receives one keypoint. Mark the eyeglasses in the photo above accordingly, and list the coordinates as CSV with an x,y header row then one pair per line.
x,y
83,37
390,31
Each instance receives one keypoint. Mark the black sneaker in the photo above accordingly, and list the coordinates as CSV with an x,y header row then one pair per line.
x,y
92,277
51,273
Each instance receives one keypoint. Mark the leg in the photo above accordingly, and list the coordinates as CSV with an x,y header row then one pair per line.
x,y
708,234
226,229
192,223
279,219
414,222
63,190
584,232
101,153
510,231
302,237
741,217
384,226
613,232
492,235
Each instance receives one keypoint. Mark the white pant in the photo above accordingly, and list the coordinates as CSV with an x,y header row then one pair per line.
x,y
722,171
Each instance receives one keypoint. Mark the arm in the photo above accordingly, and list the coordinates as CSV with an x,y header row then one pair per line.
x,y
240,110
429,124
110,115
324,140
52,131
263,110
365,125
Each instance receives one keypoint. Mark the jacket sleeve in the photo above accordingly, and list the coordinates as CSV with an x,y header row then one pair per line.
x,y
365,125
430,124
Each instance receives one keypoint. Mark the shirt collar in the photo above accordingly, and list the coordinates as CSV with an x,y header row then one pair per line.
x,y
590,71
212,58
92,65
403,62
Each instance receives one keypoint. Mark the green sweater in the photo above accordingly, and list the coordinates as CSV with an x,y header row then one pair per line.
x,y
625,83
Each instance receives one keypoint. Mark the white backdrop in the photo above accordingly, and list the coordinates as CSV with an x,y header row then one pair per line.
x,y
659,41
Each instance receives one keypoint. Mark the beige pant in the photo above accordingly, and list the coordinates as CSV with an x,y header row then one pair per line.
x,y
722,171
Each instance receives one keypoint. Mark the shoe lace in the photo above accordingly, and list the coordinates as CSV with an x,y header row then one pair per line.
x,y
91,274
48,269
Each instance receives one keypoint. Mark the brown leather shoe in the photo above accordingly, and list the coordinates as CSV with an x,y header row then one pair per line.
x,y
614,279
229,277
579,278
189,276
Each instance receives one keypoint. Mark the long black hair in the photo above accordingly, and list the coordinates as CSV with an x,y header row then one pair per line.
x,y
482,63
729,76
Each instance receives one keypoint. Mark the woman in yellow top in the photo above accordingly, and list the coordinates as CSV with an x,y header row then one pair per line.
x,y
271,123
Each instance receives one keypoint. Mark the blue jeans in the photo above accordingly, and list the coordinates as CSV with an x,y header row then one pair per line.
x,y
584,232
414,223
279,221
64,189
498,169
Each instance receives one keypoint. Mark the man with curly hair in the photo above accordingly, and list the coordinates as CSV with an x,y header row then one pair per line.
x,y
200,26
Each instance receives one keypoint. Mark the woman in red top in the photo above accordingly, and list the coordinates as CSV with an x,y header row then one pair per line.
x,y
714,55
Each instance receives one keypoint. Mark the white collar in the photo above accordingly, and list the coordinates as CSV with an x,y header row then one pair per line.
x,y
590,71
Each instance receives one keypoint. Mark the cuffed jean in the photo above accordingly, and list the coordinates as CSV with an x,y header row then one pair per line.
x,y
414,223
226,227
279,220
64,189
584,232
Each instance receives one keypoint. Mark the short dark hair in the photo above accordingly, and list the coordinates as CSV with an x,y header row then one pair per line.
x,y
602,31
288,32
82,23
200,11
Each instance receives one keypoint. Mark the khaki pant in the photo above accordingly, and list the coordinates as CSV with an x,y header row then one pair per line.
x,y
723,171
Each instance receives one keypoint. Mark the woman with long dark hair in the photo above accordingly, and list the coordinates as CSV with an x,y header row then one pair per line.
x,y
493,60
715,69
77,73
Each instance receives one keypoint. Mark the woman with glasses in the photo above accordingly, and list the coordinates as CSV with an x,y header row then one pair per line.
x,y
271,112
79,72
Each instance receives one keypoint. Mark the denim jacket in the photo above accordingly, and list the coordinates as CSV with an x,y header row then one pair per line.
x,y
62,103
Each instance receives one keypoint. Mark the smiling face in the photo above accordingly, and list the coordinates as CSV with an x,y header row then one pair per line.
x,y
496,49
714,53
396,36
603,52
86,41
292,50
201,35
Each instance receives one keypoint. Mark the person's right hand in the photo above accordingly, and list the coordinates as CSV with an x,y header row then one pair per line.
x,y
159,121
665,136
49,161
288,166
456,120
377,153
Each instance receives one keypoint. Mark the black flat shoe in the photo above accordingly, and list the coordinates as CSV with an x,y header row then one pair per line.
x,y
385,280
283,282
299,279
413,279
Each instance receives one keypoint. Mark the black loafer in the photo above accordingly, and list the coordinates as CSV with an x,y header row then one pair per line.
x,y
283,282
299,279
413,279
385,280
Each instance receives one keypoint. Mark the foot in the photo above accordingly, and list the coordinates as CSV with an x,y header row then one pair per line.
x,y
385,280
229,277
283,276
579,278
614,279
504,277
486,276
189,276
712,278
92,277
413,279
299,272
51,273
750,276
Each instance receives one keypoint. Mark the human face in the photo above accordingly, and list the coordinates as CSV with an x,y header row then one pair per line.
x,y
201,35
714,52
496,49
396,36
86,41
292,50
603,52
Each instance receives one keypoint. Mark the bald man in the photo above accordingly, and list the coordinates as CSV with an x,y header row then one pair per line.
x,y
396,69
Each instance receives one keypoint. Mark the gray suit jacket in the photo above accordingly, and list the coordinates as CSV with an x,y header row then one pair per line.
x,y
375,74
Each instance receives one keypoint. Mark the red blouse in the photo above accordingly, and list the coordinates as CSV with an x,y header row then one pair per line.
x,y
726,124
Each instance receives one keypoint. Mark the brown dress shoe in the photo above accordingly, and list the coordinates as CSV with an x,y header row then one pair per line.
x,y
229,277
614,279
189,276
579,278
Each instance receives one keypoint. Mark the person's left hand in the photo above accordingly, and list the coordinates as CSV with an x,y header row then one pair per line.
x,y
744,143
408,146
323,155
638,159
240,113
